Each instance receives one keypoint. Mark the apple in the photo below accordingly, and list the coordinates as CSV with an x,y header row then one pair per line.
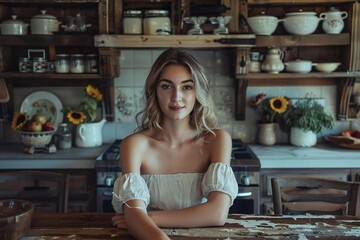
x,y
347,133
47,126
356,134
35,126
39,117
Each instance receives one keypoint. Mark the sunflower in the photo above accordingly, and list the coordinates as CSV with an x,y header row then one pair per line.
x,y
279,104
76,117
19,120
94,92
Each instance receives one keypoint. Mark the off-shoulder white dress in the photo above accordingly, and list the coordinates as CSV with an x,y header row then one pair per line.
x,y
174,191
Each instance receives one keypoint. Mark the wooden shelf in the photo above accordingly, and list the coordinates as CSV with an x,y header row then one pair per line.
x,y
296,2
287,75
32,76
79,40
303,40
186,41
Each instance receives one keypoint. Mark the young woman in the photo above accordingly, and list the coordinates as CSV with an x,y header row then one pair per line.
x,y
175,168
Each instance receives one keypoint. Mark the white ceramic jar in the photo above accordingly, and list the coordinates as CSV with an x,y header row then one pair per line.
x,y
333,21
44,24
132,22
156,22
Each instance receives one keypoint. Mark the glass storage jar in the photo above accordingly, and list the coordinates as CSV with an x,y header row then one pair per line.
x,y
62,64
77,63
156,22
91,63
63,137
132,22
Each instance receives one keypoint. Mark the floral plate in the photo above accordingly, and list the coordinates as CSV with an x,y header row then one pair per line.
x,y
344,141
46,103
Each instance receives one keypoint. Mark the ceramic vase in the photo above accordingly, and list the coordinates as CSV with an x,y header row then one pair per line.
x,y
267,133
301,138
89,135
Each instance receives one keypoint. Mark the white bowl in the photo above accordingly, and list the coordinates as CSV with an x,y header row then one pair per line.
x,y
36,139
327,67
298,66
301,23
263,25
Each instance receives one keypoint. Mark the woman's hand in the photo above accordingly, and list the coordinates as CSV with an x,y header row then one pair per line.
x,y
119,221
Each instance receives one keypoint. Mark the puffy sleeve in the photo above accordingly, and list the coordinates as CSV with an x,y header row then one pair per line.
x,y
128,187
220,177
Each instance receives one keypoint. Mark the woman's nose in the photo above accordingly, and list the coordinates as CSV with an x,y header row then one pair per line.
x,y
177,95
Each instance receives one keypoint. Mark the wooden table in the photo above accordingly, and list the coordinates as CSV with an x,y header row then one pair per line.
x,y
98,226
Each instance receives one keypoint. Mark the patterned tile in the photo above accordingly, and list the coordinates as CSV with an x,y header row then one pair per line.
x,y
124,105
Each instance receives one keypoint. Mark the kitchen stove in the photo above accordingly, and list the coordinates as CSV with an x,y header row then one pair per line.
x,y
245,164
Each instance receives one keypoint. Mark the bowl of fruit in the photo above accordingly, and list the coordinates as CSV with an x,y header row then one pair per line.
x,y
36,131
347,139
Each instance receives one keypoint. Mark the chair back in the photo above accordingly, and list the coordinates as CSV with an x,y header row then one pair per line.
x,y
47,190
324,196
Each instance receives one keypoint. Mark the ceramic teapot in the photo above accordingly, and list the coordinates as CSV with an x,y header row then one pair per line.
x,y
273,61
333,20
89,134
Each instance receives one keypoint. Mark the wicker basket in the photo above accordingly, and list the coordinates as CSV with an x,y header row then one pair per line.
x,y
36,139
15,218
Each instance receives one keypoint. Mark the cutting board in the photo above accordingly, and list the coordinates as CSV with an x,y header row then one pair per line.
x,y
4,94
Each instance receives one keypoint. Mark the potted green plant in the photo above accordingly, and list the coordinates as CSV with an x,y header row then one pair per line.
x,y
305,118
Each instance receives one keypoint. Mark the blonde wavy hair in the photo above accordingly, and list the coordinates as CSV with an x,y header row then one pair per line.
x,y
202,118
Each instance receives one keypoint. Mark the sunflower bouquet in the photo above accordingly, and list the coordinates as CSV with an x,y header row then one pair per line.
x,y
86,111
271,110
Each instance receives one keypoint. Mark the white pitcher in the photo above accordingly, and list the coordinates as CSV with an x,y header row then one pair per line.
x,y
273,61
89,134
333,22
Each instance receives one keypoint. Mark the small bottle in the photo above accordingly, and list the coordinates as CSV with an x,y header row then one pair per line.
x,y
63,137
91,65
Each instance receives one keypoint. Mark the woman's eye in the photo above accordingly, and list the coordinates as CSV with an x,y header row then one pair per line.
x,y
165,86
187,87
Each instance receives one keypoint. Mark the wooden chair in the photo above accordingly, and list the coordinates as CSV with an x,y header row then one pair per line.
x,y
47,190
315,196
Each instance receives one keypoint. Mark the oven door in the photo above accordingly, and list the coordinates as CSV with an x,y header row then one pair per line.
x,y
104,197
247,201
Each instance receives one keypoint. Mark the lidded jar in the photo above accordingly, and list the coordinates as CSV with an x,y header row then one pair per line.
x,y
63,137
156,22
333,20
62,64
132,22
77,63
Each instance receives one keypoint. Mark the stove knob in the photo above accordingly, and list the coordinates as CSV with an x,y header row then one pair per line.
x,y
245,180
109,181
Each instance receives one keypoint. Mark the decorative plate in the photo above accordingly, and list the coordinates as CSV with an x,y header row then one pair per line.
x,y
343,141
46,103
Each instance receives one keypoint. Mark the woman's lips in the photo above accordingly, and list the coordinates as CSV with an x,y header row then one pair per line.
x,y
176,108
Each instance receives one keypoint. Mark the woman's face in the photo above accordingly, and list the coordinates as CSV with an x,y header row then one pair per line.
x,y
176,92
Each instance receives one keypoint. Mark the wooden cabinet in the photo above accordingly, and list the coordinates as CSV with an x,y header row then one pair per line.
x,y
62,42
82,189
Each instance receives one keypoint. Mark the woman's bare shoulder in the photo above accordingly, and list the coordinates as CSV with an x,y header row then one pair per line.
x,y
220,136
136,139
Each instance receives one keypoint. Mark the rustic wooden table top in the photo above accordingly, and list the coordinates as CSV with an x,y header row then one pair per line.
x,y
98,226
